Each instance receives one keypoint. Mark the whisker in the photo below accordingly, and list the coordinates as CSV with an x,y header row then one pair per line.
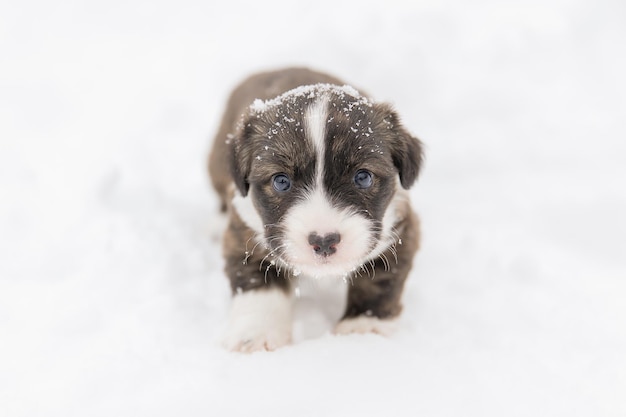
x,y
357,270
269,253
383,257
248,254
373,269
394,252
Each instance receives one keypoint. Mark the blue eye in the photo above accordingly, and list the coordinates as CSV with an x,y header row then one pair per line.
x,y
281,182
363,179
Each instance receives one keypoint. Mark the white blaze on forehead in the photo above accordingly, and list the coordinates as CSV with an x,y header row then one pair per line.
x,y
315,123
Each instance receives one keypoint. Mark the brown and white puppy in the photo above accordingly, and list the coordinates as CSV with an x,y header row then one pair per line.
x,y
313,175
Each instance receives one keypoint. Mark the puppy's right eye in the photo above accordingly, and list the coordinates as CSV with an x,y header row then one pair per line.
x,y
363,179
281,182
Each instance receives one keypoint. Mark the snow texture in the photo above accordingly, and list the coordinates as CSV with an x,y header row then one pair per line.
x,y
311,92
112,296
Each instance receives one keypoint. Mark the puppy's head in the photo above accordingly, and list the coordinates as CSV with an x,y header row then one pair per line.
x,y
318,172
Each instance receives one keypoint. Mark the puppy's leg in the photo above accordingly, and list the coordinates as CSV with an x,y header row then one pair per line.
x,y
374,301
259,320
261,310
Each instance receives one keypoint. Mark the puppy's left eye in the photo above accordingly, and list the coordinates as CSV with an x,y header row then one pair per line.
x,y
363,179
281,182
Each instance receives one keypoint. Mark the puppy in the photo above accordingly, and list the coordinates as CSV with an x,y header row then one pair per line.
x,y
313,175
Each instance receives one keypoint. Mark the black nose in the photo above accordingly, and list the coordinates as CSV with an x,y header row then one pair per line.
x,y
324,245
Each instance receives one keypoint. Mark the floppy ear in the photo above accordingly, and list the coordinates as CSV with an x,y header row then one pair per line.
x,y
240,157
406,151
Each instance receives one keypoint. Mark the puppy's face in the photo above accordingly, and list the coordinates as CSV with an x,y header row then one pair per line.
x,y
317,170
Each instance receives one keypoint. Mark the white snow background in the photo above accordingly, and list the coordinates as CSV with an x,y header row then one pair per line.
x,y
112,296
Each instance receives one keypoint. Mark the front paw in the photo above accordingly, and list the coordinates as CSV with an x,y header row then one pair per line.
x,y
366,324
251,337
259,320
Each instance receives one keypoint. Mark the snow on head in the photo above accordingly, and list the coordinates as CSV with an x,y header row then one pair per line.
x,y
283,113
258,106
310,92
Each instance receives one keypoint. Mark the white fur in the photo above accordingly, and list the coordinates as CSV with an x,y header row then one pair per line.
x,y
316,214
388,236
259,320
366,324
315,122
247,212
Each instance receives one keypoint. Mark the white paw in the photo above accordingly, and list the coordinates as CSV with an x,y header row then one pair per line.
x,y
366,324
259,320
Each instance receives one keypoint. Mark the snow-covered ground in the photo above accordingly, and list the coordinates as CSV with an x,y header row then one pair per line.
x,y
112,295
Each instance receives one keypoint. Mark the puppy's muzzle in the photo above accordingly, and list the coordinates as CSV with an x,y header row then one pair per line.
x,y
324,245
